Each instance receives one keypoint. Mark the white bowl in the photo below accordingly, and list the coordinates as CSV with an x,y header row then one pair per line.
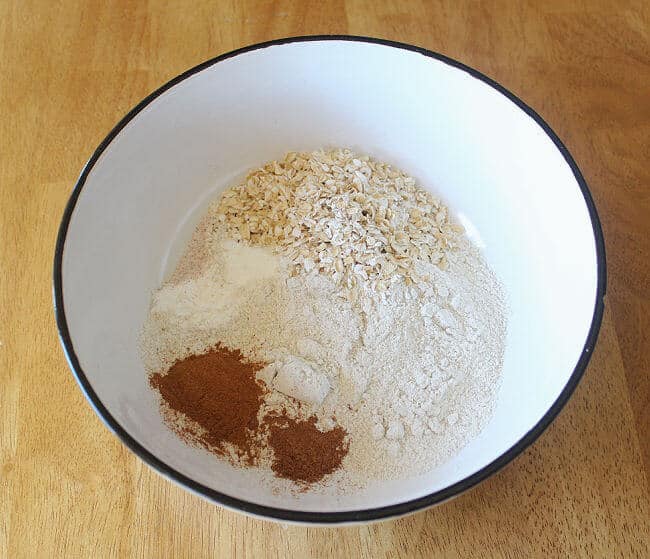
x,y
487,154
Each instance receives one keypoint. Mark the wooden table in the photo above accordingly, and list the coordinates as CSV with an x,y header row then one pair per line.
x,y
70,70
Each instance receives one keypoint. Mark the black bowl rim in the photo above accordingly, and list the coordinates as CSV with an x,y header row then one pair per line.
x,y
351,516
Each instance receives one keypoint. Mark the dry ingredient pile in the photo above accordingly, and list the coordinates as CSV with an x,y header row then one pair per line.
x,y
328,315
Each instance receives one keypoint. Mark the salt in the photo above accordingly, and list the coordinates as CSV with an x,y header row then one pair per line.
x,y
299,379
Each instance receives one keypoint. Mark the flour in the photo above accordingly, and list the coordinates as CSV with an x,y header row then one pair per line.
x,y
371,308
412,374
435,356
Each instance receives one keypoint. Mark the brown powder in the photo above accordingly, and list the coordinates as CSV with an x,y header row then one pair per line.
x,y
301,452
218,391
220,396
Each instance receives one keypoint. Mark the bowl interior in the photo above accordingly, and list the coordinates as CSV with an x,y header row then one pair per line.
x,y
491,162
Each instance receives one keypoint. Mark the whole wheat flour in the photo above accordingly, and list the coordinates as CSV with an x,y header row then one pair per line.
x,y
406,358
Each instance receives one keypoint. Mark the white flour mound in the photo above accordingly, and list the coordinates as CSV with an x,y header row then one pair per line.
x,y
411,373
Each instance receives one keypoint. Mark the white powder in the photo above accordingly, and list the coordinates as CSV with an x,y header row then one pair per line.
x,y
297,378
210,299
411,374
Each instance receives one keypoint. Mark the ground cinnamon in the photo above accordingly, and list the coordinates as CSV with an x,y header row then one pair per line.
x,y
218,391
303,453
220,396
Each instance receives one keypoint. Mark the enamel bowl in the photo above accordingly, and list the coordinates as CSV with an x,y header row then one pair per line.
x,y
497,164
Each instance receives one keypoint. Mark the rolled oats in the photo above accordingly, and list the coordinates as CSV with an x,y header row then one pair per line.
x,y
357,220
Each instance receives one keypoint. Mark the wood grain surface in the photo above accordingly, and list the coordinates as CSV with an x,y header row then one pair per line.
x,y
69,70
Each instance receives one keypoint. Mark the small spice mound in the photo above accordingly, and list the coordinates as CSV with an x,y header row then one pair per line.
x,y
220,395
301,451
218,391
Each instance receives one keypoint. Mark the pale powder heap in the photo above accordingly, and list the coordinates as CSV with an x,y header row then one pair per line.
x,y
410,370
